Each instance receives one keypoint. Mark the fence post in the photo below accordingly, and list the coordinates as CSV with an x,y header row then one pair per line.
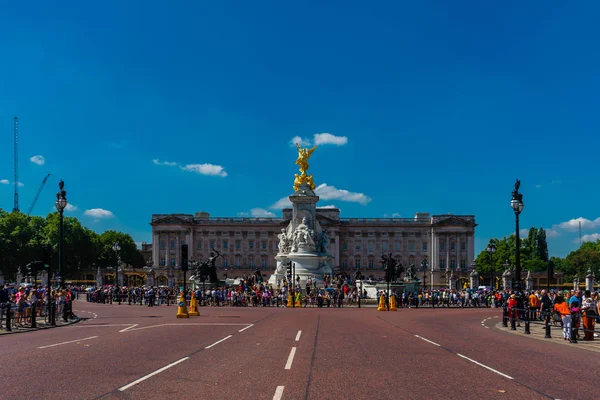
x,y
33,319
527,315
8,316
573,338
504,316
548,334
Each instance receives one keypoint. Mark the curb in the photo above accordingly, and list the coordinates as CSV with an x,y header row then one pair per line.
x,y
40,329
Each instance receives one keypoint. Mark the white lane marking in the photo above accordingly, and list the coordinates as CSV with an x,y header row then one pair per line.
x,y
219,341
298,336
278,393
99,325
182,324
70,341
428,341
128,328
288,364
243,329
484,366
158,371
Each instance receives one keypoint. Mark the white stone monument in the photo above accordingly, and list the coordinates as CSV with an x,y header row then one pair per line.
x,y
19,276
576,283
474,278
529,282
589,280
303,242
507,280
99,278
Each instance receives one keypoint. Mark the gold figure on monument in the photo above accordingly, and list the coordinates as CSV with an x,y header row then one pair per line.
x,y
302,162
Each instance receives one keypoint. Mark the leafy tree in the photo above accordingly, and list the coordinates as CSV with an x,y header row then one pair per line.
x,y
542,245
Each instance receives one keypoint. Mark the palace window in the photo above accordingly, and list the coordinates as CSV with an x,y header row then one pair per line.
x,y
212,244
199,245
250,244
345,263
225,244
264,262
463,264
398,245
452,263
463,246
345,245
452,245
424,246
357,244
163,261
371,263
238,262
357,262
163,245
172,243
371,245
264,244
238,244
225,262
251,262
172,261
442,264
442,245
411,246
384,245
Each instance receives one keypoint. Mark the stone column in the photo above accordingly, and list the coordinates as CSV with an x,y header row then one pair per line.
x,y
474,278
447,251
452,281
458,252
529,282
576,283
155,247
507,280
589,280
177,249
44,278
98,278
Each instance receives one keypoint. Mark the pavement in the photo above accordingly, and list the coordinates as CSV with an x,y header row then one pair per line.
x,y
40,324
135,352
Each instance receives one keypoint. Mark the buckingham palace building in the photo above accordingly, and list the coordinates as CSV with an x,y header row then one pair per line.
x,y
436,245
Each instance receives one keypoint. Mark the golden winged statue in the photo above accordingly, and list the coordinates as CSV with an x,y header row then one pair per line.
x,y
302,162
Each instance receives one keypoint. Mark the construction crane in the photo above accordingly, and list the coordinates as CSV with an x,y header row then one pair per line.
x,y
35,199
16,181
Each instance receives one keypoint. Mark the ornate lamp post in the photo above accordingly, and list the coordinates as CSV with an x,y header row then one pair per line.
x,y
425,267
117,249
491,249
517,205
61,204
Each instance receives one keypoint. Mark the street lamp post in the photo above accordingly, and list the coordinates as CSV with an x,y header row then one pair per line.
x,y
117,249
491,249
425,267
61,204
517,205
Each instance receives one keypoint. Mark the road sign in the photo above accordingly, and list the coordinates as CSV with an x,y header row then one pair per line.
x,y
181,304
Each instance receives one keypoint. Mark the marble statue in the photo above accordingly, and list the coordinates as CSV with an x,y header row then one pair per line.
x,y
324,241
303,238
410,273
285,242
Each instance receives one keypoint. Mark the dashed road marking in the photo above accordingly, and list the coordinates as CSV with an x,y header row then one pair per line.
x,y
298,336
288,364
70,341
428,341
128,328
485,366
278,393
158,371
218,341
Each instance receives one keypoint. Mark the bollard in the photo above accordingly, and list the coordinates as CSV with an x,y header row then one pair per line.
x,y
527,314
65,312
119,298
8,317
573,337
53,313
548,334
33,319
504,316
513,322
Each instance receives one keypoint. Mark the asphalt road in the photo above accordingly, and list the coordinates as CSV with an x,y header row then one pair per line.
x,y
134,352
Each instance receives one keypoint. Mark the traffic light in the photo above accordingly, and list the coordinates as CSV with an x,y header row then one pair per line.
x,y
47,254
289,271
184,257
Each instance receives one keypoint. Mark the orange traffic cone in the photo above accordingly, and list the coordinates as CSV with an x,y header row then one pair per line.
x,y
194,307
182,311
382,306
393,306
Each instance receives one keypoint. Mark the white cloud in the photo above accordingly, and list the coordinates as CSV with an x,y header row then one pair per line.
x,y
284,202
205,169
319,139
328,138
39,160
98,213
262,213
202,169
523,232
573,224
327,192
4,181
243,214
302,142
328,206
20,184
588,238
70,208
156,161
551,233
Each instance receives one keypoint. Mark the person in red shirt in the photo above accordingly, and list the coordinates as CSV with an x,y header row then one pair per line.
x,y
512,306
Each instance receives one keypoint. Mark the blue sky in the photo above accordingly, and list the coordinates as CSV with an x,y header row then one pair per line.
x,y
432,106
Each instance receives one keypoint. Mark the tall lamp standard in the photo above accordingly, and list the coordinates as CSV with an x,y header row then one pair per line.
x,y
61,204
117,249
517,205
424,266
491,249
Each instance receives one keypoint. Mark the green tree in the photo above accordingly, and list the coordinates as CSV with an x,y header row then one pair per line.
x,y
542,245
578,262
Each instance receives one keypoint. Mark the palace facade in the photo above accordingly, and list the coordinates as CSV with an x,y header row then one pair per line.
x,y
436,245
